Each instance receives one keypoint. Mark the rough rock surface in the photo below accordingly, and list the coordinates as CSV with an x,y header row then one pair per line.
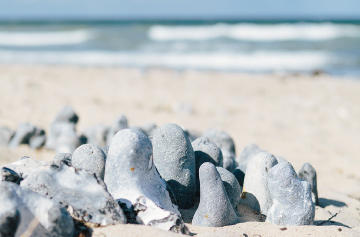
x,y
232,186
5,135
83,194
215,208
132,178
26,213
291,197
222,139
25,166
308,173
62,158
255,191
90,158
175,160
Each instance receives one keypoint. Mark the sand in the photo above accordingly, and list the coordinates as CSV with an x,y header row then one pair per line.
x,y
302,118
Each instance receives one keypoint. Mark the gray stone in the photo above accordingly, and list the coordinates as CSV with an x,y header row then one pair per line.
x,y
229,162
175,160
26,166
255,191
205,151
119,124
10,175
232,186
215,208
62,158
38,139
97,135
67,140
67,115
23,134
246,154
62,134
132,178
222,139
26,213
308,173
90,158
291,197
5,135
84,195
149,129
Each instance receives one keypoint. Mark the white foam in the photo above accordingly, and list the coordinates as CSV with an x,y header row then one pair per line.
x,y
25,39
255,32
257,61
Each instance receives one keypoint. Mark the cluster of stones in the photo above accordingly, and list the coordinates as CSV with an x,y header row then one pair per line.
x,y
148,175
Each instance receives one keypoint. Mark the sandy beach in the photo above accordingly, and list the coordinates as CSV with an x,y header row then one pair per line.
x,y
302,118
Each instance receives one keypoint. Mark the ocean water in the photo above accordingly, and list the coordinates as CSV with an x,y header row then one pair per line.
x,y
246,46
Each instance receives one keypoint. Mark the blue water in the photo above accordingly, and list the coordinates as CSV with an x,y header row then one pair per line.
x,y
246,46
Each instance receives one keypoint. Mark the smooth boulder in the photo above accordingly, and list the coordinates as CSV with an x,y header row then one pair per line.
x,y
174,158
232,186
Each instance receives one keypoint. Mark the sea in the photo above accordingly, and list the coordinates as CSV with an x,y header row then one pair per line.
x,y
251,46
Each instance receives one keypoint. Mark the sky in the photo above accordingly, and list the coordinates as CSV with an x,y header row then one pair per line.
x,y
95,9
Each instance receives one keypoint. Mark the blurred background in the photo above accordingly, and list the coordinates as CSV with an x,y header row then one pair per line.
x,y
259,36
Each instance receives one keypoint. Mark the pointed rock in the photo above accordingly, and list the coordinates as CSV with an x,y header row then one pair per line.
x,y
23,134
132,178
246,154
90,158
175,160
255,191
215,208
291,197
308,173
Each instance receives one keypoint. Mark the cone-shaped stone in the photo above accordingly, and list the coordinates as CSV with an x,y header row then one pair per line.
x,y
246,154
132,178
255,191
291,197
175,160
215,208
308,173
232,186
90,158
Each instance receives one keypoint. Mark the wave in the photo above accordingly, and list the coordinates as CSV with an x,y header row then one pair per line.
x,y
258,61
255,32
35,39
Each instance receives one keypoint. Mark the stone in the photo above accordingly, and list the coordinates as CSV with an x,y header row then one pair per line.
x,y
255,190
229,162
25,166
246,154
62,134
205,151
83,194
132,179
232,186
26,213
67,115
67,140
5,135
215,209
22,135
97,135
240,175
119,124
291,197
149,129
175,160
10,175
38,139
222,139
308,173
90,158
62,158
